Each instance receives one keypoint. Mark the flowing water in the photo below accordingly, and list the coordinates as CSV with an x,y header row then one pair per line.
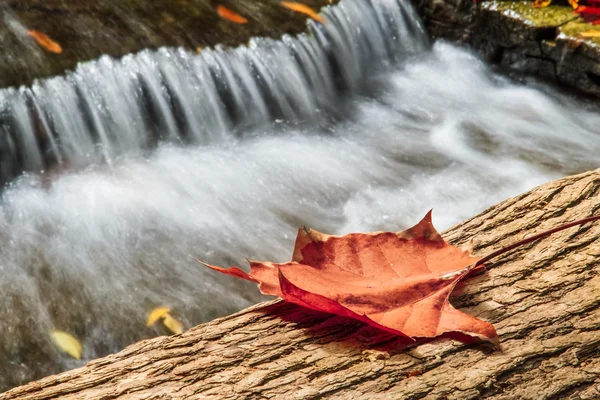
x,y
161,156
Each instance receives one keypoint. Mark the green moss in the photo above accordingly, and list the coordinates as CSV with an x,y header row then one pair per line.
x,y
569,24
551,16
573,29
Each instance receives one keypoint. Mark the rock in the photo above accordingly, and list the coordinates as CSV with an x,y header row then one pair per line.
x,y
87,30
542,42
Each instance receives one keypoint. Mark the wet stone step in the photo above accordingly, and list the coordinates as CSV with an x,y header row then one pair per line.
x,y
87,30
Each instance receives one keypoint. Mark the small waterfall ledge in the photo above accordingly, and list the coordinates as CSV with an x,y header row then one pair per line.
x,y
87,30
109,107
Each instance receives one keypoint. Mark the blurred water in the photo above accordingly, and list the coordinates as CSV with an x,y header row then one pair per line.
x,y
91,251
110,107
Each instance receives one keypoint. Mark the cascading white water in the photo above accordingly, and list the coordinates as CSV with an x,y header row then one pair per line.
x,y
110,107
91,251
284,143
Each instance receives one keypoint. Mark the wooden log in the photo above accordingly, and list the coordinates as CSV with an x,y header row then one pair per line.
x,y
543,298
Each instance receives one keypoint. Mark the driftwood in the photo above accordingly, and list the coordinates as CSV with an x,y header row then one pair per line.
x,y
544,300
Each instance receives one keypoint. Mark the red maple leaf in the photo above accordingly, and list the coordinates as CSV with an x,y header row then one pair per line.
x,y
590,14
398,282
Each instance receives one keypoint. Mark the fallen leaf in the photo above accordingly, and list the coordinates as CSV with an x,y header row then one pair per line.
x,y
301,8
227,14
574,3
172,324
590,14
67,343
589,34
44,40
398,282
541,3
157,314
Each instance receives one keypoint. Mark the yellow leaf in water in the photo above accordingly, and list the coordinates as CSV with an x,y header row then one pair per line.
x,y
541,3
157,314
589,34
301,8
574,3
67,343
172,324
45,41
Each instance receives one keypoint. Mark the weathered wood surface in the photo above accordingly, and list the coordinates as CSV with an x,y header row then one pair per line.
x,y
544,300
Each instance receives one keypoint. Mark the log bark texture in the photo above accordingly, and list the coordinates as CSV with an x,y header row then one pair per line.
x,y
544,299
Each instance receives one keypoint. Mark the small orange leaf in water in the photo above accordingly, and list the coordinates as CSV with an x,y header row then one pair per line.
x,y
301,8
589,34
227,14
45,41
541,3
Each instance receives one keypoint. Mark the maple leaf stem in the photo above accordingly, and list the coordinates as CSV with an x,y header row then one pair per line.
x,y
534,238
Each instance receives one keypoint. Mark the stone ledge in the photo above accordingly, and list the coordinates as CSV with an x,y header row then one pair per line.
x,y
87,30
536,41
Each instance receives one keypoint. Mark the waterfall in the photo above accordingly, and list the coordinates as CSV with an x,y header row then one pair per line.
x,y
90,250
111,107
